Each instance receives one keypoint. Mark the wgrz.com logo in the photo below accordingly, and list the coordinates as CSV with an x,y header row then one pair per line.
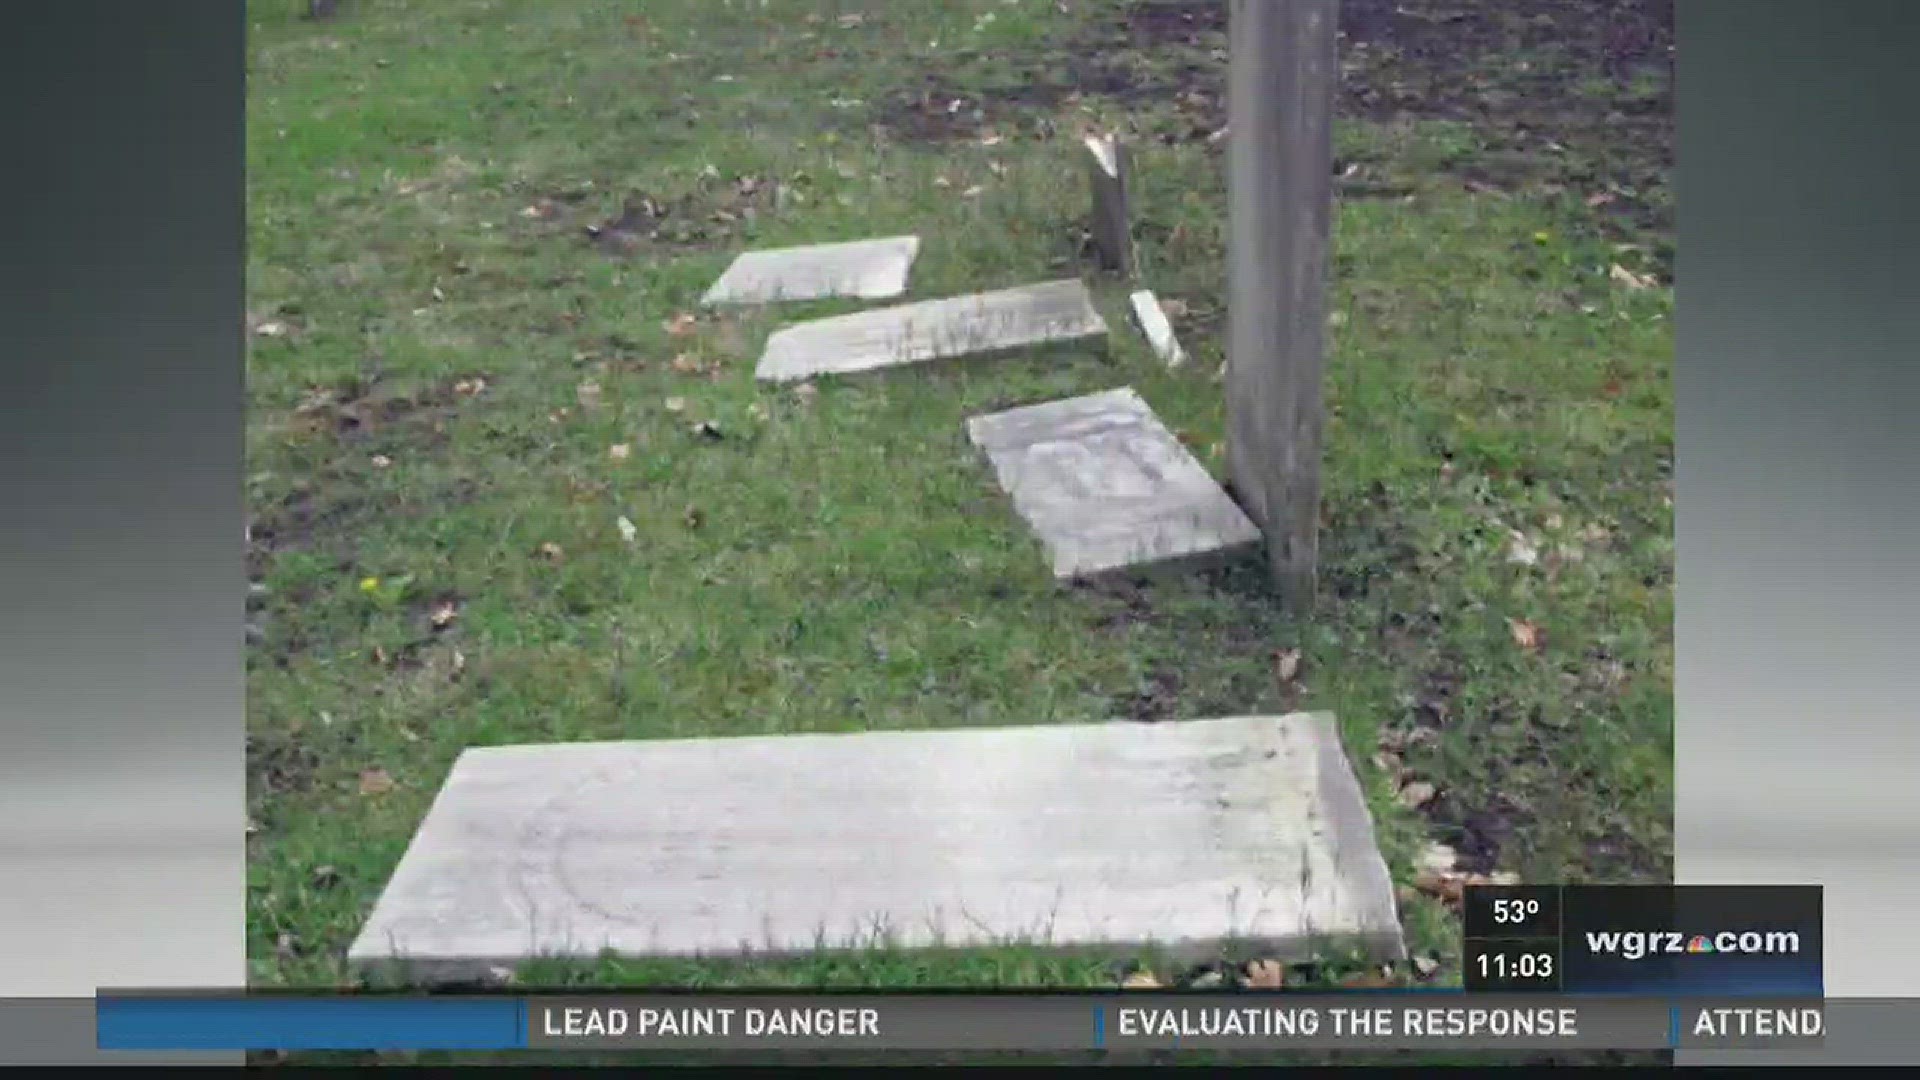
x,y
1640,944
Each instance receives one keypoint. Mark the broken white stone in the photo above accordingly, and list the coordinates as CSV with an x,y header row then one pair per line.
x,y
1182,835
1108,488
979,325
1159,331
865,269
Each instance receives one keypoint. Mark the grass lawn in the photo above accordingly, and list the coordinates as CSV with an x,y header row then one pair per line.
x,y
457,395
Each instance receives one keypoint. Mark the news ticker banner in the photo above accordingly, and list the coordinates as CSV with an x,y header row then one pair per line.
x,y
1591,967
954,1022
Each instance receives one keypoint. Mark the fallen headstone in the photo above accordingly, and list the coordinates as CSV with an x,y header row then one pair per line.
x,y
979,325
863,269
1107,167
1159,331
1183,835
1108,488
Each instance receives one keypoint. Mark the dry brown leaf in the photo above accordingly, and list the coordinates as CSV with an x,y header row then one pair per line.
x,y
1525,634
444,613
1265,975
588,394
1286,664
380,655
1599,198
1417,794
381,461
675,404
688,364
1140,980
1631,280
375,782
551,551
1443,887
806,393
619,451
693,517
1426,966
681,325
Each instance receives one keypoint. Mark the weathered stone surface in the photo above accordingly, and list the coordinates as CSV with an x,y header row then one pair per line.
x,y
1107,487
1159,331
866,269
979,325
1179,834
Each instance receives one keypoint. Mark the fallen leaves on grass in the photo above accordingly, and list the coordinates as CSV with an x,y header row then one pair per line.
x,y
324,877
272,328
1526,634
470,387
675,404
681,325
1140,980
693,517
707,429
1417,794
1426,966
1264,975
619,451
381,461
588,394
628,531
805,393
1451,887
688,364
443,614
375,782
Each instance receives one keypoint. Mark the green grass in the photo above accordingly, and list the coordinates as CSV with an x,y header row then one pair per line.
x,y
424,426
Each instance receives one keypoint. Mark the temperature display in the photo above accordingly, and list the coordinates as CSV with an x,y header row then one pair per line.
x,y
1518,911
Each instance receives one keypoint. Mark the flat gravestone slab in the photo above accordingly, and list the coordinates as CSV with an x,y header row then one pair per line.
x,y
1178,834
1107,487
866,269
981,324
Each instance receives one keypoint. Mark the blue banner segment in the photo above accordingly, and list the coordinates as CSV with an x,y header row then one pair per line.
x,y
346,1023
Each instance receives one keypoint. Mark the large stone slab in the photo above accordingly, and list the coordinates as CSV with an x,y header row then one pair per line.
x,y
978,325
1178,834
866,269
1107,487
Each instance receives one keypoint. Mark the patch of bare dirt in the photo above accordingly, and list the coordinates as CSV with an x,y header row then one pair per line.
x,y
1563,95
